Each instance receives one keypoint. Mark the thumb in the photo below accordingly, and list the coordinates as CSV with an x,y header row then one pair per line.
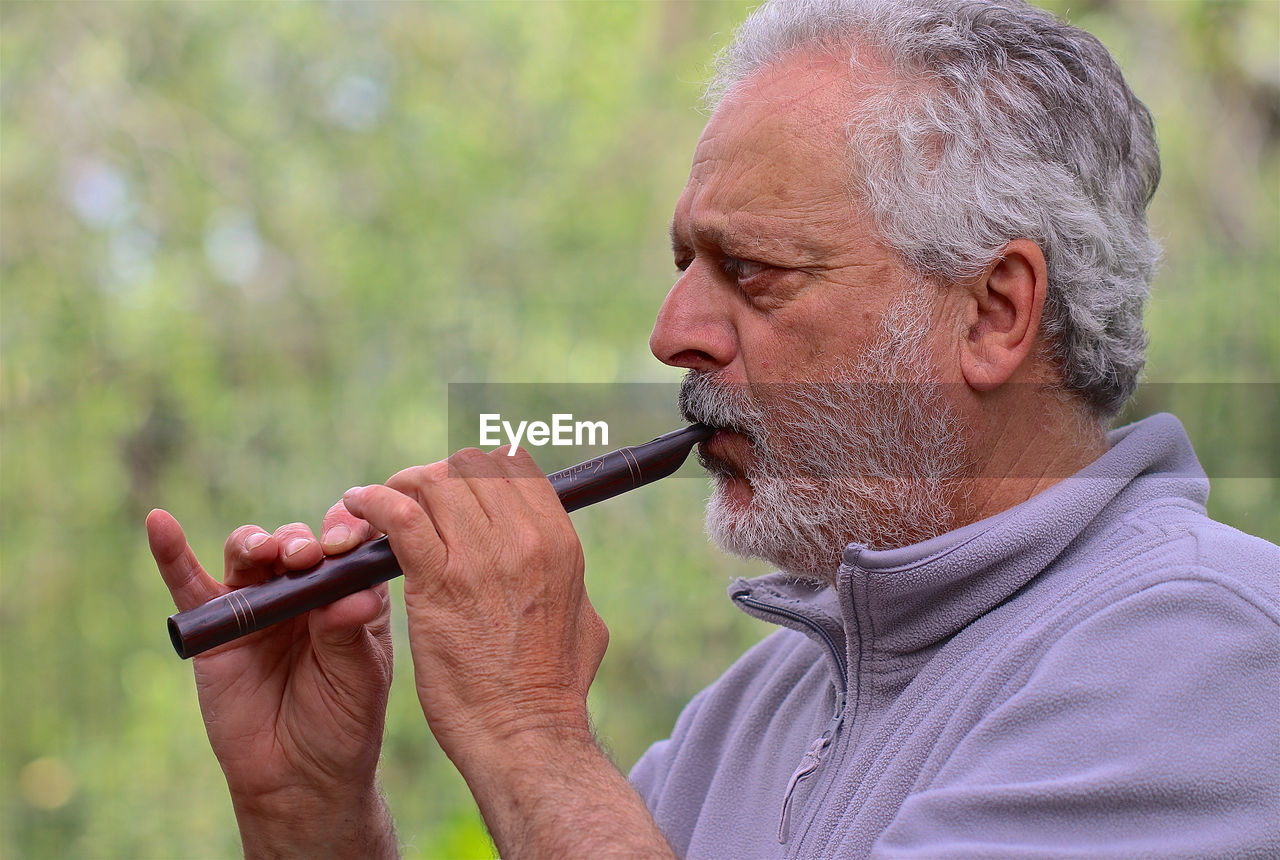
x,y
188,583
345,632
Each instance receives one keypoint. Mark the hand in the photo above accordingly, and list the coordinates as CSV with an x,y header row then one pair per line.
x,y
295,712
505,645
504,639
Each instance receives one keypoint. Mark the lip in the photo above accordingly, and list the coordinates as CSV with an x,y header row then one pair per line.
x,y
714,445
727,446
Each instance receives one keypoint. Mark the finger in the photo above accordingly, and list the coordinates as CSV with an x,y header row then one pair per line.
x,y
529,487
442,491
249,555
500,489
528,479
250,559
299,548
188,583
409,481
414,539
343,530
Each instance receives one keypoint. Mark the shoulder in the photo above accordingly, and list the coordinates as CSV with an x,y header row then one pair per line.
x,y
1163,628
1143,703
1153,560
1164,652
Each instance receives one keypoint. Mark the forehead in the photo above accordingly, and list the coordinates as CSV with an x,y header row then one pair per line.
x,y
805,97
773,155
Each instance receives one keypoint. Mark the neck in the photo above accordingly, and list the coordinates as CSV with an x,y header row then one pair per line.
x,y
1026,450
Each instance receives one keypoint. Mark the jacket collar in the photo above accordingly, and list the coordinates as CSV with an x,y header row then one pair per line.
x,y
904,600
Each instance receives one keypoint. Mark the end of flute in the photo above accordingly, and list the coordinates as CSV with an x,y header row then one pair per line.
x,y
192,633
175,636
702,431
691,433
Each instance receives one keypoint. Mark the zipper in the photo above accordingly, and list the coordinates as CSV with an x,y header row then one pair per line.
x,y
742,598
814,755
808,766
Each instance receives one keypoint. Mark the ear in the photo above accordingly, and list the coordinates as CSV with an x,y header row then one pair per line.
x,y
1003,315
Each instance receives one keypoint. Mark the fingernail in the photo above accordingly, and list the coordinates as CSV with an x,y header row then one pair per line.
x,y
336,536
255,540
295,546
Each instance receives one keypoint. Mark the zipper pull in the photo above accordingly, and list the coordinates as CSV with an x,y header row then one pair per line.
x,y
808,764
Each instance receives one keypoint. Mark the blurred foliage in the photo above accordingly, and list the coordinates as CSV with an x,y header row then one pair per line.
x,y
244,248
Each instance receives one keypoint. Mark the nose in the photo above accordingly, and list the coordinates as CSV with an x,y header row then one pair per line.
x,y
693,328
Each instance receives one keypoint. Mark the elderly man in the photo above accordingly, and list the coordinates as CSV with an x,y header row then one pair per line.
x,y
914,256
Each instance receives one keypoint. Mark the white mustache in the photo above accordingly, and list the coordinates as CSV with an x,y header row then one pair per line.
x,y
725,406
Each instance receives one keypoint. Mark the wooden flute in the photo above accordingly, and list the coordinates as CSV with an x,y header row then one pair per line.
x,y
245,610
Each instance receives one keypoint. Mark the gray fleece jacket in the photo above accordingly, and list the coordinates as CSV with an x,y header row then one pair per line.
x,y
1094,673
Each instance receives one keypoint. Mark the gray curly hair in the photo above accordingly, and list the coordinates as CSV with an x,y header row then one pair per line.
x,y
999,122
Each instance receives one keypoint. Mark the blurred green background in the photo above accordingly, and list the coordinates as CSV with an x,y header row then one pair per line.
x,y
244,248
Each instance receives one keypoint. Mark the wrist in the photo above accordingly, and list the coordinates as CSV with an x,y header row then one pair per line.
x,y
304,823
505,743
520,765
554,793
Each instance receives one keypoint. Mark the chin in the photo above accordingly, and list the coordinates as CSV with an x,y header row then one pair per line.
x,y
740,524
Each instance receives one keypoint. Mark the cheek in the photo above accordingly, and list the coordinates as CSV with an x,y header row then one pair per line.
x,y
805,340
784,350
828,334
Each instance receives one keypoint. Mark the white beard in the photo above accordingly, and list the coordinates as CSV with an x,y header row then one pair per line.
x,y
873,457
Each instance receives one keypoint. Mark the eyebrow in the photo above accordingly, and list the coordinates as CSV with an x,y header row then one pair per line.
x,y
742,240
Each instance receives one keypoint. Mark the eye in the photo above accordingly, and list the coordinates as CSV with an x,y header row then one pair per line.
x,y
741,270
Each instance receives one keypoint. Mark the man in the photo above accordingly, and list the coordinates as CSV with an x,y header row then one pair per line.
x,y
914,255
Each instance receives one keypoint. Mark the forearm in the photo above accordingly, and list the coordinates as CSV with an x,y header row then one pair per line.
x,y
302,825
552,796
